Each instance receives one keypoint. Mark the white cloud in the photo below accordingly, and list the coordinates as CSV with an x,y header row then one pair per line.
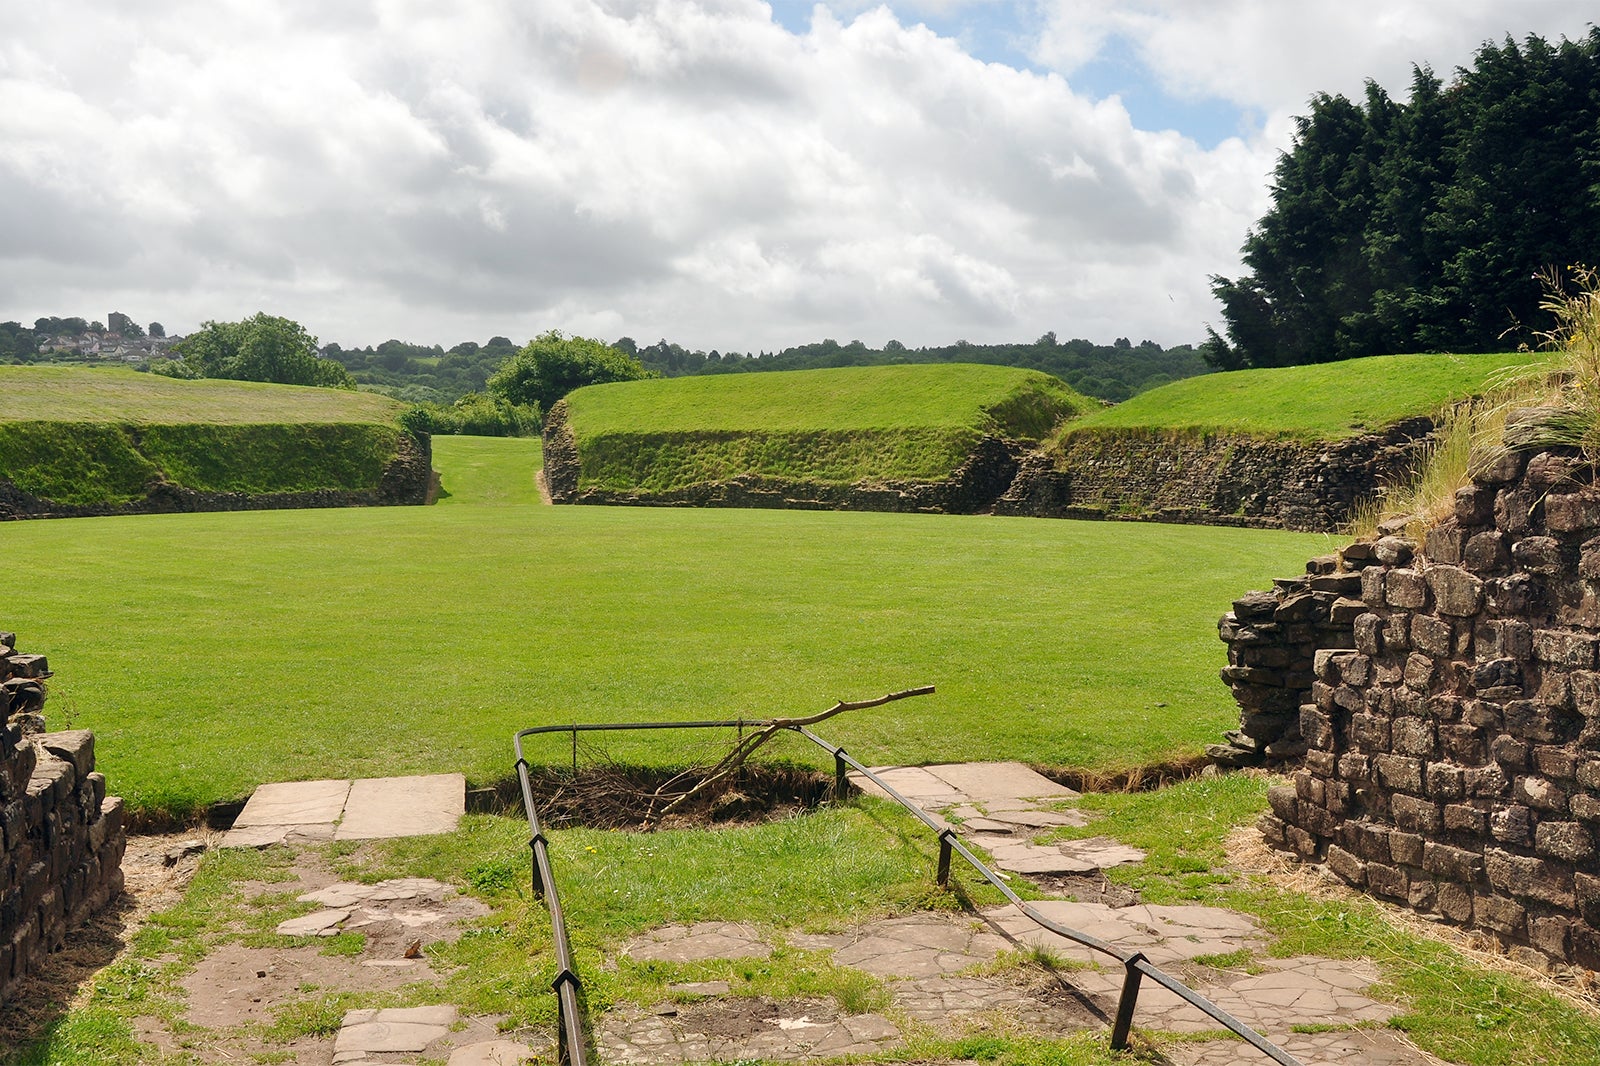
x,y
678,168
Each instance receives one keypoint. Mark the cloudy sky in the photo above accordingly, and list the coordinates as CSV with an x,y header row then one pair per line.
x,y
730,174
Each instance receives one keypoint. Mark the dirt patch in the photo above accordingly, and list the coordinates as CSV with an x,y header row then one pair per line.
x,y
1085,888
741,1017
632,797
235,985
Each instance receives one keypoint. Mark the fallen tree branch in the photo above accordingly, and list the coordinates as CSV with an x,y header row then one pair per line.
x,y
747,745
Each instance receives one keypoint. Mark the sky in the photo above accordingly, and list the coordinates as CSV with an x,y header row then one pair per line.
x,y
725,174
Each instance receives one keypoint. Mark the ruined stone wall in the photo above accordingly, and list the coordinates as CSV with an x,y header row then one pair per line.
x,y
1452,734
1215,479
61,836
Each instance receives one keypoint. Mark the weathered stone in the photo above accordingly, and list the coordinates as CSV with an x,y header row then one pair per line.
x,y
1419,673
1589,560
1530,720
1505,639
1500,914
1474,505
1497,466
1444,543
1284,801
1316,727
1510,752
1396,634
1393,551
1554,761
1454,902
1416,815
1387,881
1587,888
1413,736
1542,794
1497,674
1538,555
1567,841
1345,610
1300,607
1512,825
1398,772
1347,866
1589,774
1487,553
1445,781
1572,512
1575,651
1370,731
1452,864
1552,936
1406,589
1512,595
1459,818
1431,635
1456,592
1405,849
1257,606
1372,586
1528,878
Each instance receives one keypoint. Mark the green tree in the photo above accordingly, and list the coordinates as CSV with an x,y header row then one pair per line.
x,y
263,347
551,365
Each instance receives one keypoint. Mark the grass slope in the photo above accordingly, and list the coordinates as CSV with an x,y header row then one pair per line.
x,y
81,394
1327,401
837,426
103,436
212,652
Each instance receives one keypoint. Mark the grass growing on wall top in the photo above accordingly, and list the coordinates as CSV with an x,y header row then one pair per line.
x,y
1326,401
111,394
838,426
954,396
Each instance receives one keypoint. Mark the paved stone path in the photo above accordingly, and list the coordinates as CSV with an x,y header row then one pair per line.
x,y
363,809
1000,807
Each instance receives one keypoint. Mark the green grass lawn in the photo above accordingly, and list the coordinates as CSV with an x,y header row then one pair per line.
x,y
212,652
111,394
492,471
1325,401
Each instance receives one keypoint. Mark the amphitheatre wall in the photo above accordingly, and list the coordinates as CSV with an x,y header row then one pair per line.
x,y
407,479
1217,479
63,837
1212,479
1443,701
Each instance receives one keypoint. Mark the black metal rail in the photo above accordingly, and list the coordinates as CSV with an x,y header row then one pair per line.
x,y
574,1045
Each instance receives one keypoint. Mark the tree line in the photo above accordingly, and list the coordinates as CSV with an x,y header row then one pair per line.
x,y
1424,224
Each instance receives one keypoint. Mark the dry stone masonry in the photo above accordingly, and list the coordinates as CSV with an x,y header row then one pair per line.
x,y
1447,696
61,836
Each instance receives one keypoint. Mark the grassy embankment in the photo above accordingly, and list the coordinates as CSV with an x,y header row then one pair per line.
x,y
1326,401
842,426
102,436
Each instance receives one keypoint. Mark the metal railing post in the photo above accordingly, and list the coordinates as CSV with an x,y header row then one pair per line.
x,y
944,857
841,777
1130,999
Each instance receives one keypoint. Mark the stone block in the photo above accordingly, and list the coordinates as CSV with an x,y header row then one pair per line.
x,y
1353,766
1367,630
1431,635
1345,610
1349,867
1414,736
1585,807
1419,672
1538,555
1571,512
1463,743
1552,935
1416,815
1396,634
1555,761
1512,824
1456,593
1589,774
1318,821
1505,639
1589,560
1370,732
1497,679
1514,595
1256,606
1393,550
1509,752
1423,896
1528,878
1405,849
1323,763
1285,802
1500,914
1497,466
1487,553
1531,720
1445,781
1575,651
1474,505
1567,841
1443,707
1316,727
1444,543
1387,881
1454,902
1514,510
1272,830
1373,579
1399,772
1460,818
1555,690
1406,589
1585,687
1452,864
1587,888
1542,794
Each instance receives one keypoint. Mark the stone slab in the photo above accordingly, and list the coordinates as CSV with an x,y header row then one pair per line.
x,y
989,781
294,803
915,783
393,1029
492,1053
403,806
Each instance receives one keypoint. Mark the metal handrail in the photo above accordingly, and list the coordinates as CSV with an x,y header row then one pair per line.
x,y
573,1040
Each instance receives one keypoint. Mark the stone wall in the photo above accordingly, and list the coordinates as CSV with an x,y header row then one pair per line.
x,y
1452,733
61,836
972,488
1217,479
406,480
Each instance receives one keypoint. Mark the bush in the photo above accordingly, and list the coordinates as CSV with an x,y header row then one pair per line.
x,y
550,366
475,415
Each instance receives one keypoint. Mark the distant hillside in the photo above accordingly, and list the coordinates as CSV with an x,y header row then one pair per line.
x,y
800,438
75,440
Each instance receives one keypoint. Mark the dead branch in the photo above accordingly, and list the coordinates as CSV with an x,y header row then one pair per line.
x,y
748,744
